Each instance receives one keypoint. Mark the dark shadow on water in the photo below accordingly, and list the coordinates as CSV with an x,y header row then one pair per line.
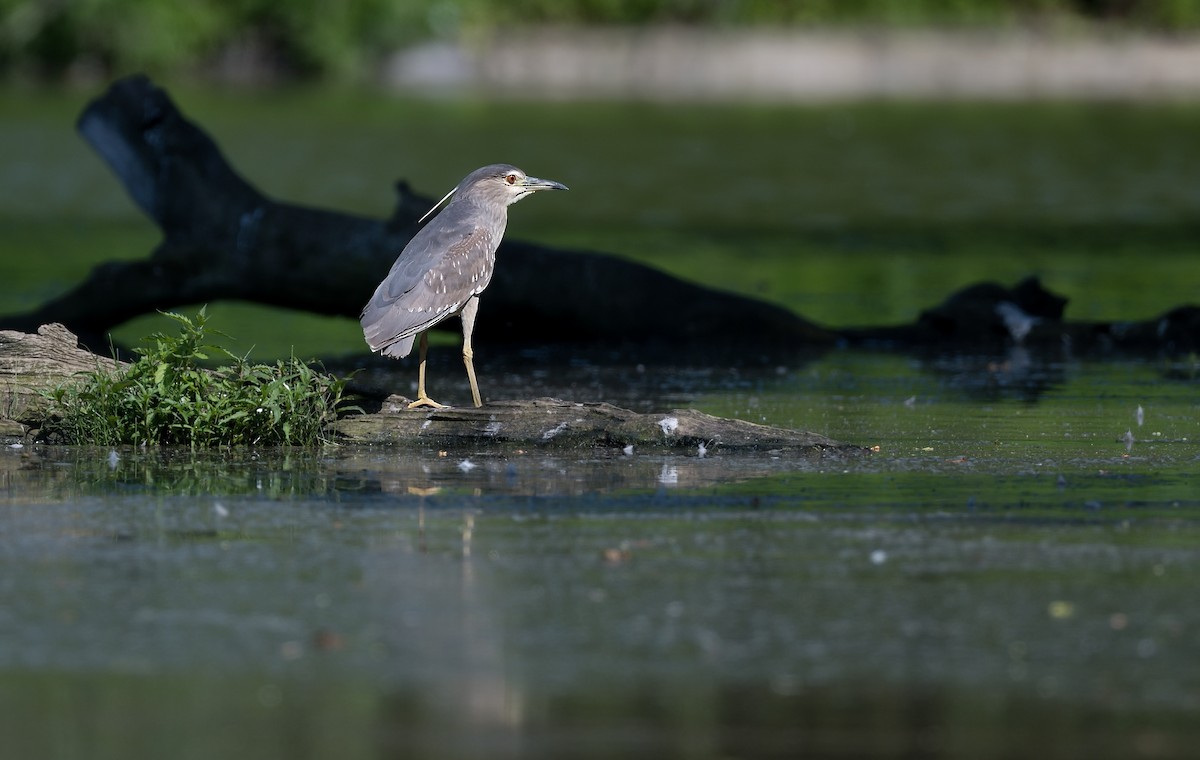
x,y
157,716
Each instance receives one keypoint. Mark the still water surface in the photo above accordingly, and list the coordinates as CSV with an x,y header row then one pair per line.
x,y
1011,574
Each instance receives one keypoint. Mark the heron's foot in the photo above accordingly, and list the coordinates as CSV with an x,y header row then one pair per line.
x,y
426,401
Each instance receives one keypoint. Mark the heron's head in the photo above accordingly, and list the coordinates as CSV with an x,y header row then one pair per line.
x,y
504,184
496,185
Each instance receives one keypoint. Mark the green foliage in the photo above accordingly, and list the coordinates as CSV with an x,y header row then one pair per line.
x,y
303,37
167,397
318,38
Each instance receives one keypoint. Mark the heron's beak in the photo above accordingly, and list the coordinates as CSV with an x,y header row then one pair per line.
x,y
533,183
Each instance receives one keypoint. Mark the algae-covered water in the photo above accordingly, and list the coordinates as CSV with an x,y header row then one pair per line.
x,y
1011,573
1004,577
994,595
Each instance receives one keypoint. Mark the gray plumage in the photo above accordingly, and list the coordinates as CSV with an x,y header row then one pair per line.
x,y
446,265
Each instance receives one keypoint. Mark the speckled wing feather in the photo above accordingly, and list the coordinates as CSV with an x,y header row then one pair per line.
x,y
444,264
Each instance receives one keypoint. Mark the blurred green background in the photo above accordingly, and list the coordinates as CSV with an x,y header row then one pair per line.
x,y
344,40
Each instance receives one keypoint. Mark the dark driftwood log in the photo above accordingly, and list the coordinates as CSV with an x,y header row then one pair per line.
x,y
30,364
223,239
974,320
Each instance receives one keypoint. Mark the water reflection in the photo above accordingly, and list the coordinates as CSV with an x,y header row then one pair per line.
x,y
1016,374
1001,579
352,474
304,628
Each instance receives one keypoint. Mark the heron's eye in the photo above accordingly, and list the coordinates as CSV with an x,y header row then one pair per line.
x,y
511,179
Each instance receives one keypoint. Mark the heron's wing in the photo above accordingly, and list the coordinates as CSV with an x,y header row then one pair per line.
x,y
442,266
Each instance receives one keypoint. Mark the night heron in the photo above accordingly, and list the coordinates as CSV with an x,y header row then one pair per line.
x,y
445,267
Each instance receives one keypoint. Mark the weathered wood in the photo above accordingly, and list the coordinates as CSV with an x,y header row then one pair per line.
x,y
548,422
30,365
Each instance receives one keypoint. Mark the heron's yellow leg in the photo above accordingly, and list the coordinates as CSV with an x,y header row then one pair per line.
x,y
468,325
423,398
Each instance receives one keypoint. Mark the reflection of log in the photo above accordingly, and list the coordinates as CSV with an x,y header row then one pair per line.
x,y
30,364
346,473
222,239
565,424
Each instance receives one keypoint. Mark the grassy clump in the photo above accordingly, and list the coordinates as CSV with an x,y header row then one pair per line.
x,y
166,397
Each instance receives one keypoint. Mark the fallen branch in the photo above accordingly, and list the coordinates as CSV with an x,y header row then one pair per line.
x,y
225,240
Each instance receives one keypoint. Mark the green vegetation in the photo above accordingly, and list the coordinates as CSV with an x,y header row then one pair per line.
x,y
167,397
313,38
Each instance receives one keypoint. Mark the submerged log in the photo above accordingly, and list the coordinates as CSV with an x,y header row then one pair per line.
x,y
223,239
549,422
32,364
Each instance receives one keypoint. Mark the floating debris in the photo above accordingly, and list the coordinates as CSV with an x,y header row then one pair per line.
x,y
1060,610
466,465
616,555
328,641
